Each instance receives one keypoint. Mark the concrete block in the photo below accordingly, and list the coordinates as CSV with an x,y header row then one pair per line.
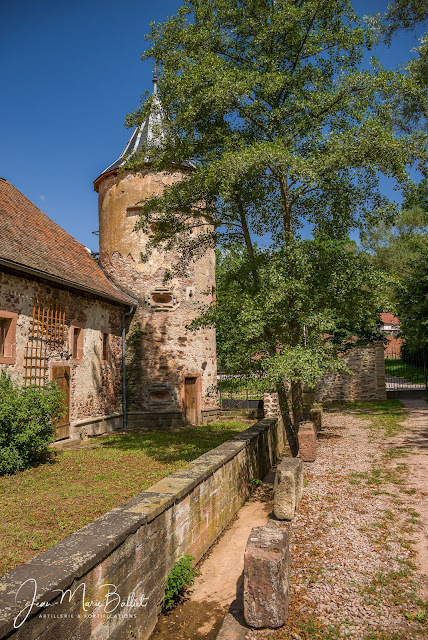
x,y
288,488
307,440
266,577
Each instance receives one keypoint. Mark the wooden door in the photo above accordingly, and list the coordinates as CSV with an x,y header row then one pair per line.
x,y
61,374
190,397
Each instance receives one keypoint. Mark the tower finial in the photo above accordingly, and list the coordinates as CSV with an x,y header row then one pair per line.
x,y
155,80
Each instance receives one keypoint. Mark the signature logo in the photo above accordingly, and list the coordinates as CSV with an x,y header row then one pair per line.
x,y
110,601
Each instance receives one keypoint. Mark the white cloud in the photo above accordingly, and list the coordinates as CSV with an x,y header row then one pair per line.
x,y
42,197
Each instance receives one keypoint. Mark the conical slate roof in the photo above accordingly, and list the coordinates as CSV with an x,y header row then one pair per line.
x,y
150,132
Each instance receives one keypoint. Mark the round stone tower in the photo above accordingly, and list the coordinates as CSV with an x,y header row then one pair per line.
x,y
171,371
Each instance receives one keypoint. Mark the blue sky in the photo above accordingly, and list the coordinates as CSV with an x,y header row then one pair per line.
x,y
70,74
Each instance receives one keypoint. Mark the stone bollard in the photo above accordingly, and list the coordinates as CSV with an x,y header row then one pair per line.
x,y
315,416
266,576
287,488
307,439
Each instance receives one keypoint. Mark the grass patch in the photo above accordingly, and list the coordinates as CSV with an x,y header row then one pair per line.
x,y
384,416
400,369
377,476
45,504
312,629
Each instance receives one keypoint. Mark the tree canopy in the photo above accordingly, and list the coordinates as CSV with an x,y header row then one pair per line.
x,y
288,132
400,249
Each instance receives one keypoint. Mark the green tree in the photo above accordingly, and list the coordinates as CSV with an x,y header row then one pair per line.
x,y
286,130
396,247
404,14
412,301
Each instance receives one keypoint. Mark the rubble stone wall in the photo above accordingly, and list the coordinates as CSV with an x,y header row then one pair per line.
x,y
365,383
95,384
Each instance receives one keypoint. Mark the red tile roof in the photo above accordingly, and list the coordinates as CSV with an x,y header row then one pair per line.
x,y
388,318
31,241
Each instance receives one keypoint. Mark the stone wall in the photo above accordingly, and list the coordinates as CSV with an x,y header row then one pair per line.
x,y
270,405
95,384
133,547
366,383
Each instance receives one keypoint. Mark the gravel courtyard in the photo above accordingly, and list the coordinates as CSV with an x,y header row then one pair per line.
x,y
359,540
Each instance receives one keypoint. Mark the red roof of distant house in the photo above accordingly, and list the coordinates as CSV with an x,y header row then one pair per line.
x,y
388,318
32,242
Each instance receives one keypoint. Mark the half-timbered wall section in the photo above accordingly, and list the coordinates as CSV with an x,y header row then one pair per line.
x,y
57,331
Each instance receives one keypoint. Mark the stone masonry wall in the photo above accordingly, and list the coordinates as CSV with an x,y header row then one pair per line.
x,y
133,547
366,383
95,384
160,351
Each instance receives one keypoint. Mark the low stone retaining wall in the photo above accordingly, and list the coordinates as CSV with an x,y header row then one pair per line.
x,y
107,580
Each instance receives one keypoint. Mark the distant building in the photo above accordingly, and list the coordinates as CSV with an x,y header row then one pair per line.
x,y
390,325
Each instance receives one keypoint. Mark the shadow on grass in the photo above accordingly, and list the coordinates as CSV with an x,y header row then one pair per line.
x,y
171,446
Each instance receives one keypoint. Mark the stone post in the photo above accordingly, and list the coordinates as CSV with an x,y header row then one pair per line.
x,y
266,577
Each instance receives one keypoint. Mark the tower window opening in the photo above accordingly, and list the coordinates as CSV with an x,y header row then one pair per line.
x,y
105,347
162,298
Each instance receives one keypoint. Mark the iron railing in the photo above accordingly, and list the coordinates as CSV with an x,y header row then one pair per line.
x,y
406,371
237,391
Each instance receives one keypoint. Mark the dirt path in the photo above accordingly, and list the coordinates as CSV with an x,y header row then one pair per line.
x,y
214,592
355,538
357,547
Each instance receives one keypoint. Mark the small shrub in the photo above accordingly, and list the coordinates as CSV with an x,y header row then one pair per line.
x,y
182,575
27,418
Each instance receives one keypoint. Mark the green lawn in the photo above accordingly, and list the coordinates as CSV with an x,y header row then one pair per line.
x,y
401,369
44,504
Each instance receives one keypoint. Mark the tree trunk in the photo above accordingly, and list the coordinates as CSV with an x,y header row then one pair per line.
x,y
297,403
285,413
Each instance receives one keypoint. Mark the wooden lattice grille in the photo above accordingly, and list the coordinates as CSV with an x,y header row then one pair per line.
x,y
47,334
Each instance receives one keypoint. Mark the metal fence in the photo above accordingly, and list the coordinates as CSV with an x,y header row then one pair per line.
x,y
241,391
405,371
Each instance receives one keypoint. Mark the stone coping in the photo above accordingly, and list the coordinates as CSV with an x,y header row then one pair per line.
x,y
71,558
82,423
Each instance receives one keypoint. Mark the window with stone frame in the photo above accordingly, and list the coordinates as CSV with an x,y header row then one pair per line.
x,y
161,299
105,345
8,321
77,330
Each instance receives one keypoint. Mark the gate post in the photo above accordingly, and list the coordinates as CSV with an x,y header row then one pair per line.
x,y
380,371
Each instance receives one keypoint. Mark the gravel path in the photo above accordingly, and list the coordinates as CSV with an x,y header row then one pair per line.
x,y
352,545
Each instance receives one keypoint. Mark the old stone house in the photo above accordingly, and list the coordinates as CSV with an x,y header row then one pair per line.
x,y
60,316
63,315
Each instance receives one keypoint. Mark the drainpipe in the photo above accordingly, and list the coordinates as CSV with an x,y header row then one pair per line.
x,y
124,407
